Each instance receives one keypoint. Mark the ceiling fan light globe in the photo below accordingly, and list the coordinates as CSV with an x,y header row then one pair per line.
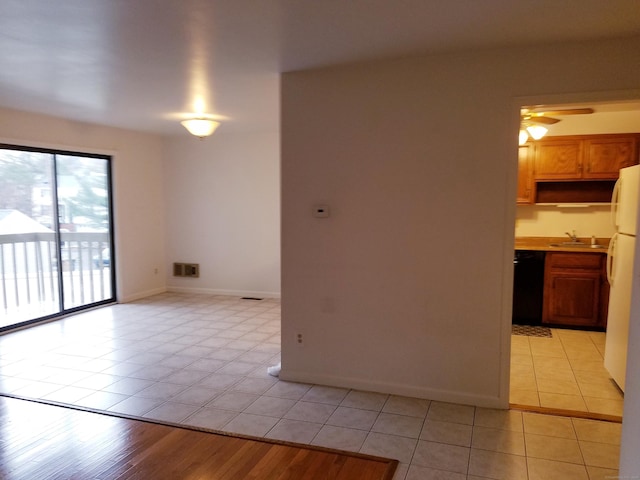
x,y
523,137
537,131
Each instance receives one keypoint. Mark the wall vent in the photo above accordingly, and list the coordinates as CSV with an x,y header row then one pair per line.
x,y
186,270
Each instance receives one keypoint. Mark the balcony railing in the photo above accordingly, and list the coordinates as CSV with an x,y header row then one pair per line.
x,y
31,269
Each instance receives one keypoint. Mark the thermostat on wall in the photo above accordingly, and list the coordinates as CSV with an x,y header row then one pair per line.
x,y
321,211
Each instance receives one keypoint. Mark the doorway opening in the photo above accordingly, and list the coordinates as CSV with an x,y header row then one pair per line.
x,y
565,371
56,233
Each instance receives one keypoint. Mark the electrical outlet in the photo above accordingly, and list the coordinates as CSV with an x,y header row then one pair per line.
x,y
299,339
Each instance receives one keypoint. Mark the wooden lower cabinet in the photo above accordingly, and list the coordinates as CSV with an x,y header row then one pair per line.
x,y
576,291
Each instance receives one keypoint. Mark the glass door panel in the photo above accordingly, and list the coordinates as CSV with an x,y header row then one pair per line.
x,y
84,223
29,281
55,233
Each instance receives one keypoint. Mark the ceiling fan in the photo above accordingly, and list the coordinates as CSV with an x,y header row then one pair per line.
x,y
533,121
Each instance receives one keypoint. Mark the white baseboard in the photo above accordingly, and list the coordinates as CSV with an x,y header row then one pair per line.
x,y
232,293
139,295
461,398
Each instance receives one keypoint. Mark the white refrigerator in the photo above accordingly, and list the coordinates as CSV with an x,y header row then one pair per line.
x,y
624,210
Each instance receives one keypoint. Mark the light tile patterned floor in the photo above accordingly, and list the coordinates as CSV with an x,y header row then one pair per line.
x,y
202,360
565,371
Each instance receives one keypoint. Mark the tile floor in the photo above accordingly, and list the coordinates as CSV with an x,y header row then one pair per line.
x,y
565,371
201,360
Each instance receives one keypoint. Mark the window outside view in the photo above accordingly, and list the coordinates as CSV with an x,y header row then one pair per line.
x,y
55,233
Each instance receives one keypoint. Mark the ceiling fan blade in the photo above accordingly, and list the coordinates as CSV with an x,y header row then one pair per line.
x,y
568,111
541,119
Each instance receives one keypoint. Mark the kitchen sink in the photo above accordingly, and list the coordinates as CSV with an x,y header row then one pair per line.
x,y
576,245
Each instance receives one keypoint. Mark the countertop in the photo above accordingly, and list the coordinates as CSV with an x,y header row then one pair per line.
x,y
544,244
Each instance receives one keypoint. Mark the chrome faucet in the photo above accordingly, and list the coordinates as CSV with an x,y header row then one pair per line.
x,y
572,236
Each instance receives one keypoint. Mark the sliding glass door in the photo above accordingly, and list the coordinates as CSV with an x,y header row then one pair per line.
x,y
56,251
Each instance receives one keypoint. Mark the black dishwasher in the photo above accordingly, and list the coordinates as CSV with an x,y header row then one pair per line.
x,y
528,284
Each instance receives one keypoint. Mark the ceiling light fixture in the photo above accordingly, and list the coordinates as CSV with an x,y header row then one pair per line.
x,y
523,136
535,131
200,127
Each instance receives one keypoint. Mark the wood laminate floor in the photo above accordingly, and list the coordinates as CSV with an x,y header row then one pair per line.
x,y
39,441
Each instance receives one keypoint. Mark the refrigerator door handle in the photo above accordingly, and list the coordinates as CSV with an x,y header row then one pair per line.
x,y
615,202
611,258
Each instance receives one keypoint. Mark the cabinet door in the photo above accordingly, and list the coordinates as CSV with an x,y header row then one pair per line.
x,y
558,159
525,182
572,298
605,157
574,290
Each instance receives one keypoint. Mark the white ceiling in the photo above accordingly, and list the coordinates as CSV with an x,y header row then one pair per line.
x,y
141,64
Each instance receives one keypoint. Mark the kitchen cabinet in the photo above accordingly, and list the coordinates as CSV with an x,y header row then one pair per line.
x,y
584,157
605,156
525,180
574,169
558,158
575,289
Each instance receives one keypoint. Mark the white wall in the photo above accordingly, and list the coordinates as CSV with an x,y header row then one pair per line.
x,y
553,221
138,189
215,202
223,212
406,288
630,442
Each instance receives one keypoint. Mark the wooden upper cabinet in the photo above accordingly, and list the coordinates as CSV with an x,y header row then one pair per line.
x,y
584,157
574,169
558,159
525,181
604,157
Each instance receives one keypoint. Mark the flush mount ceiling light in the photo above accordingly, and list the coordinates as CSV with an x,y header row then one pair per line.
x,y
200,127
